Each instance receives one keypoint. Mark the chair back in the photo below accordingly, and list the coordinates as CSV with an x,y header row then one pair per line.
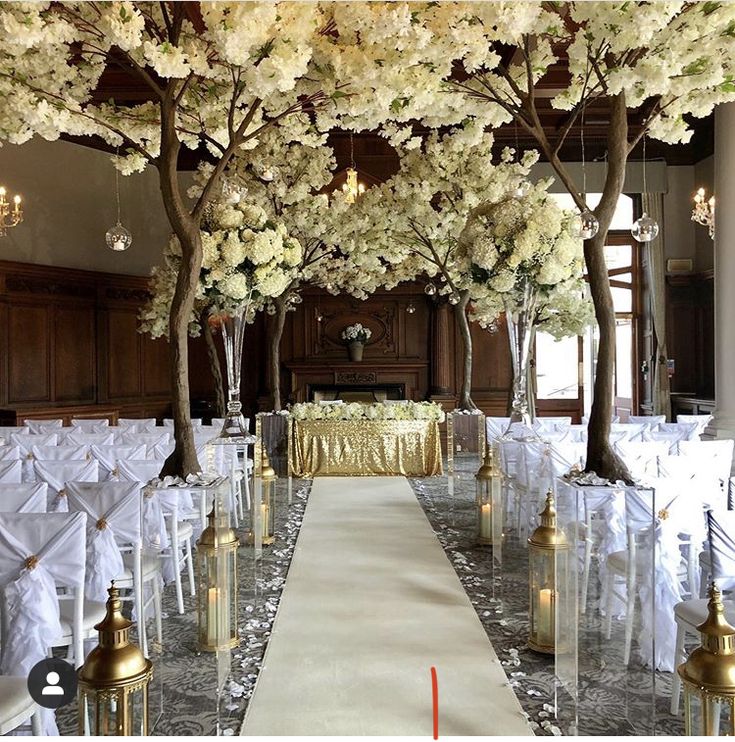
x,y
701,421
11,472
196,422
641,456
670,439
10,453
721,534
38,553
650,421
42,427
714,454
57,473
150,439
108,455
137,424
613,419
633,431
113,520
60,453
7,430
139,470
551,423
494,426
90,439
90,425
24,498
26,442
688,431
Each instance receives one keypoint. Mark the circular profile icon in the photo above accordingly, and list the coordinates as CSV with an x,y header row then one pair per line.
x,y
52,683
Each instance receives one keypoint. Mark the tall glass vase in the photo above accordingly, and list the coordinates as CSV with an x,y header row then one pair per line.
x,y
519,314
232,328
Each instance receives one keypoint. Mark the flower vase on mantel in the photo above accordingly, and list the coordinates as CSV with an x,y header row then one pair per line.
x,y
355,349
519,314
232,327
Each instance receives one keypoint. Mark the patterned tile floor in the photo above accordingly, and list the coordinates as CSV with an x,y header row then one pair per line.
x,y
611,700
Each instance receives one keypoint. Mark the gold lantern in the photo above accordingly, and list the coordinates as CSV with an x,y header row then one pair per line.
x,y
217,584
708,676
488,487
548,567
113,681
268,477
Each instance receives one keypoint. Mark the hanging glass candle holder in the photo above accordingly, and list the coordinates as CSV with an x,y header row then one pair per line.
x,y
488,500
585,225
217,583
548,568
118,238
644,229
708,676
114,680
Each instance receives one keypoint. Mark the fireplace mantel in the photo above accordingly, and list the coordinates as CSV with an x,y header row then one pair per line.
x,y
306,374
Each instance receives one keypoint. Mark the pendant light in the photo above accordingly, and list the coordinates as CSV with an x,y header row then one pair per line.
x,y
118,238
585,225
644,229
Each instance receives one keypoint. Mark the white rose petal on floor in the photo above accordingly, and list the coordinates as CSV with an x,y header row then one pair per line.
x,y
370,605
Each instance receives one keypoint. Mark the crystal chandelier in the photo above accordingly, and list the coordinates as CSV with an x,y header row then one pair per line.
x,y
118,238
704,211
9,217
352,188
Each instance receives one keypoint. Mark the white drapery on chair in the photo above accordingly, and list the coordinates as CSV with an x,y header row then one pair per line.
x,y
24,498
42,426
83,438
11,472
113,515
108,456
57,473
653,205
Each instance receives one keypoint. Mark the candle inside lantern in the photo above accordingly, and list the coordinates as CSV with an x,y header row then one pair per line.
x,y
545,620
264,515
212,616
118,245
486,521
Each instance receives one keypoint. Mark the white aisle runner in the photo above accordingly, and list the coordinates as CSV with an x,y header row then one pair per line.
x,y
371,603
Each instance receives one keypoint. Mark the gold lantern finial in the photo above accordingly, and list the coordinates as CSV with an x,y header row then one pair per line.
x,y
712,665
488,469
547,534
268,473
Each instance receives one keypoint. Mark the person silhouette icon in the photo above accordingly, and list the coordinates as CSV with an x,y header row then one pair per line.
x,y
52,687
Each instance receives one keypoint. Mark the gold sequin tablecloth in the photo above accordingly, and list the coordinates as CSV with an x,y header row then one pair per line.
x,y
407,448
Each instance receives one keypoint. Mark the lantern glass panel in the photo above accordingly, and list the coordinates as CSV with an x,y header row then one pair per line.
x,y
112,713
706,714
609,528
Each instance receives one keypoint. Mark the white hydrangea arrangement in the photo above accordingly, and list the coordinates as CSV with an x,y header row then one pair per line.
x,y
247,259
522,239
407,410
356,333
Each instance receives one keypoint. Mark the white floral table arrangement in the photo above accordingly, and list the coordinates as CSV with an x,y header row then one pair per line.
x,y
356,336
377,411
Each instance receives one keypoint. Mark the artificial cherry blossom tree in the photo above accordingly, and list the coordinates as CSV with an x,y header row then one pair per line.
x,y
411,224
216,75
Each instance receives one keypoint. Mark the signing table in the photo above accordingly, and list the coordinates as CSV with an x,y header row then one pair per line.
x,y
409,448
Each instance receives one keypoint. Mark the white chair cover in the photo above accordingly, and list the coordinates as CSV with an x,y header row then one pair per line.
x,y
10,453
196,422
494,426
162,451
11,472
8,430
139,470
721,529
108,456
57,473
90,439
714,454
633,431
613,419
26,442
142,471
24,498
641,456
671,439
551,423
701,421
689,431
699,483
60,453
650,421
150,439
39,426
31,605
113,517
137,424
90,425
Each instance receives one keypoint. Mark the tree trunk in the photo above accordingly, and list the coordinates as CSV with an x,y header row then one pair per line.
x,y
460,313
274,349
214,364
183,460
600,456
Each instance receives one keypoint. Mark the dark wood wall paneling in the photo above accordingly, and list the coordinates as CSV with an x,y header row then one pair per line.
x,y
690,333
70,338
